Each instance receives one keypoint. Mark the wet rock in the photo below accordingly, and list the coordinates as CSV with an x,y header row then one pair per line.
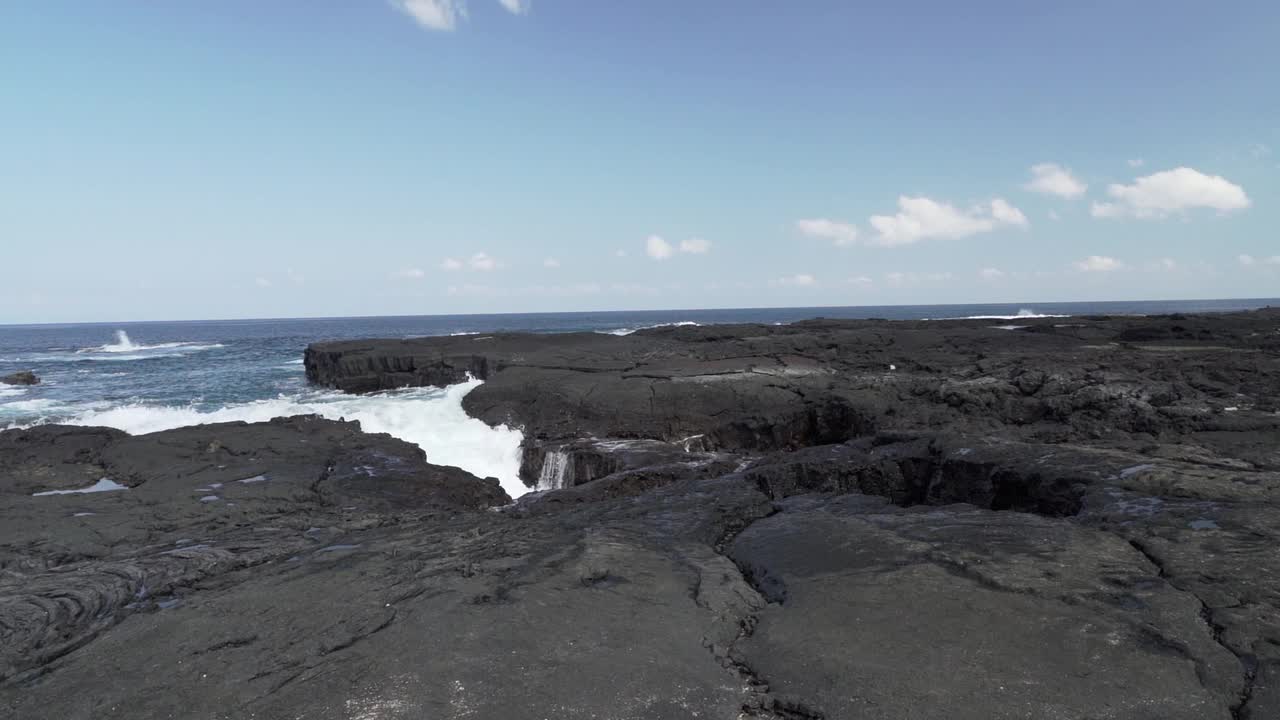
x,y
24,377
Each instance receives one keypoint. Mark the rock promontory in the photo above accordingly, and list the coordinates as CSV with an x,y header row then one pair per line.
x,y
980,519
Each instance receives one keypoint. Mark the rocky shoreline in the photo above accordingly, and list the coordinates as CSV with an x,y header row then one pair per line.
x,y
1040,518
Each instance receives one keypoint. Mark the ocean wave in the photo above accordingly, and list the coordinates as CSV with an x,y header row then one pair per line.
x,y
1023,314
432,419
29,407
124,344
78,357
628,331
11,391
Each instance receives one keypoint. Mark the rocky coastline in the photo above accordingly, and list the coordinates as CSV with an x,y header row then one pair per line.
x,y
1033,518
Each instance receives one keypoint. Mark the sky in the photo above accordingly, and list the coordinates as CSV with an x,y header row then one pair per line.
x,y
191,160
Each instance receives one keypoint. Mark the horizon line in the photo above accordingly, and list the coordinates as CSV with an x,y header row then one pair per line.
x,y
609,312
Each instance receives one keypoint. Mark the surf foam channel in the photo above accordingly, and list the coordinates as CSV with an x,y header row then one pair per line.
x,y
431,418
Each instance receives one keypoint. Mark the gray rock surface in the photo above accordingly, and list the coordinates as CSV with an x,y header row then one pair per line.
x,y
1074,520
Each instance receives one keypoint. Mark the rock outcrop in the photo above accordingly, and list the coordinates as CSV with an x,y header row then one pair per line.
x,y
1074,519
23,377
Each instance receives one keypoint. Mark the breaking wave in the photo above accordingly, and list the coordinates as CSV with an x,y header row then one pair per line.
x,y
431,418
628,331
124,344
1023,314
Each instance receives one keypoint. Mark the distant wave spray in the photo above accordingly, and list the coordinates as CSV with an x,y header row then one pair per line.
x,y
125,344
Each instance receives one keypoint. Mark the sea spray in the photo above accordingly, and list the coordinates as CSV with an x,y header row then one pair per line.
x,y
125,344
1023,314
555,469
431,418
633,330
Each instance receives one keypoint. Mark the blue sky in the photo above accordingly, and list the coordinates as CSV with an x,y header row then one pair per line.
x,y
247,159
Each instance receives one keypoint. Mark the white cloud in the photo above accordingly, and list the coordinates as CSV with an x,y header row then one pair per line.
x,y
450,264
1137,162
262,282
1260,150
295,277
991,273
696,246
551,263
797,280
920,218
620,253
482,262
434,14
1251,260
410,274
1098,263
838,232
1163,265
1005,213
1171,191
446,14
657,248
1053,179
861,281
1053,215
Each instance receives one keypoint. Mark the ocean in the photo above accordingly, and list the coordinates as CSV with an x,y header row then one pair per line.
x,y
150,376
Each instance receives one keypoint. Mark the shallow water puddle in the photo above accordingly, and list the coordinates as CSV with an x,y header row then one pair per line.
x,y
103,485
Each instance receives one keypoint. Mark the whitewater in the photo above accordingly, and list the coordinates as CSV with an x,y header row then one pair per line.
x,y
431,418
146,377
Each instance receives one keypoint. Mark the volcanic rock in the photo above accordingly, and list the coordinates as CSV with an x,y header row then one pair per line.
x,y
834,519
23,377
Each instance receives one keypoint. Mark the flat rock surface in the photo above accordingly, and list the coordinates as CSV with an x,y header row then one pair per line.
x,y
1122,381
1077,519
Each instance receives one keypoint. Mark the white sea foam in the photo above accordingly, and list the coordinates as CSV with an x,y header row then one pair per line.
x,y
555,467
11,390
38,405
628,331
431,418
1023,314
124,344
